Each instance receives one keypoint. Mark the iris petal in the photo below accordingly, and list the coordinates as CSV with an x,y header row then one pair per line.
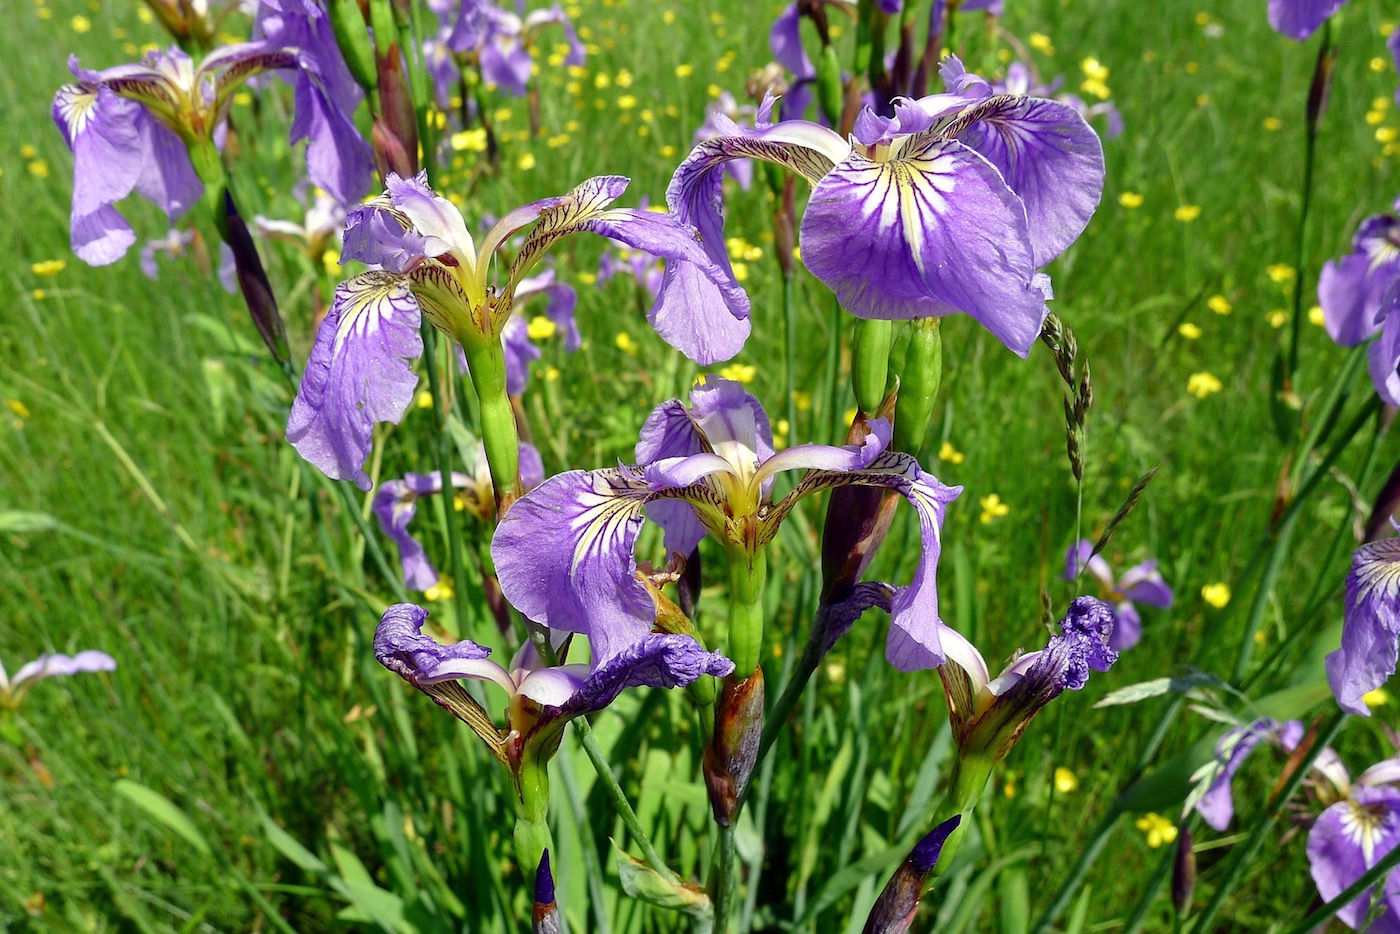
x,y
564,557
930,233
360,372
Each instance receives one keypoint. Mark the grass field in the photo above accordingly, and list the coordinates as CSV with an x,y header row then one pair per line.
x,y
168,524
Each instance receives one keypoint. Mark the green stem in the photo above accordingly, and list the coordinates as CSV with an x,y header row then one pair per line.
x,y
487,362
727,880
965,788
1300,254
531,814
458,572
618,797
1243,854
748,572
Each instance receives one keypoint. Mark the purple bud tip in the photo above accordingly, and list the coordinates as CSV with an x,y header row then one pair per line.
x,y
924,856
544,882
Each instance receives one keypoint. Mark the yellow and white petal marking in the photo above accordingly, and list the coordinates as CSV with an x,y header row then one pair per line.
x,y
615,499
1363,825
77,105
1376,570
365,301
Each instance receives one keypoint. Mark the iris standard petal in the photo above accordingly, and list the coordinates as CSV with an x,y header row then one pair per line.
x,y
1217,806
932,232
338,160
1049,156
1349,838
1127,627
1143,583
433,217
1370,626
1299,19
1082,557
563,555
360,372
709,325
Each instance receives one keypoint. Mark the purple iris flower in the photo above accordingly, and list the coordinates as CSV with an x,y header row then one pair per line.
x,y
1212,796
502,40
1299,19
1352,835
564,553
989,714
1141,583
741,170
952,204
130,128
1393,43
360,371
396,503
1350,290
645,269
1370,627
785,42
48,666
540,699
1383,356
1020,79
174,244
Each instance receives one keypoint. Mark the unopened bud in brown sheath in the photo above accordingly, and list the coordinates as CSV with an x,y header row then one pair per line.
x,y
897,905
733,750
1183,872
546,913
253,282
395,133
857,519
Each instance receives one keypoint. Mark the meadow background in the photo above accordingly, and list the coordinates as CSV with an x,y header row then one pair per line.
x,y
167,524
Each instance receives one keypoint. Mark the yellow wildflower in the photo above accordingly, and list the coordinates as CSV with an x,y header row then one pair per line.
x,y
1066,782
1273,124
685,71
1219,304
739,372
1188,212
540,328
80,24
442,590
526,162
1041,43
1377,698
1189,331
993,508
1217,595
39,168
949,454
1130,200
1277,318
424,399
469,140
551,374
1157,829
19,408
48,267
1202,384
1281,272
1316,316
625,343
29,151
802,401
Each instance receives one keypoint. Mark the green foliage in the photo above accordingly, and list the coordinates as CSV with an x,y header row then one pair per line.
x,y
249,765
